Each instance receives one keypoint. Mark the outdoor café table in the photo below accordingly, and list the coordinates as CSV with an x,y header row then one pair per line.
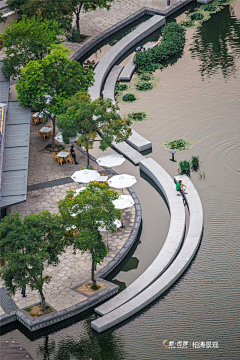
x,y
63,154
38,115
102,179
45,129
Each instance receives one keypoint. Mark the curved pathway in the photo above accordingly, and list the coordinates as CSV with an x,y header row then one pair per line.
x,y
176,269
171,246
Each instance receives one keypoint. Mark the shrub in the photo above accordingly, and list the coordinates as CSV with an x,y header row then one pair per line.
x,y
196,16
121,87
195,163
185,167
129,98
75,36
137,116
209,7
145,76
59,147
172,43
223,1
144,86
89,168
178,144
187,23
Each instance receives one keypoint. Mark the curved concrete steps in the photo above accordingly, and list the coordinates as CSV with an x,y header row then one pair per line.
x,y
171,246
109,87
174,271
110,58
128,71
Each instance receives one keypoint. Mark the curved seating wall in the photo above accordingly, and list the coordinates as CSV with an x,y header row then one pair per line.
x,y
174,271
171,246
122,46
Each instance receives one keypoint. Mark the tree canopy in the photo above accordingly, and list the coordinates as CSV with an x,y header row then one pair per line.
x,y
26,40
85,118
58,10
92,208
56,78
28,246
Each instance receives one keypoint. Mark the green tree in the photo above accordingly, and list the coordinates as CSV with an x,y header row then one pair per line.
x,y
88,5
94,209
45,84
87,118
58,10
28,247
26,40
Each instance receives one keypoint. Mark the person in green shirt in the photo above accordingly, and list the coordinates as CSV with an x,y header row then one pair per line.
x,y
180,186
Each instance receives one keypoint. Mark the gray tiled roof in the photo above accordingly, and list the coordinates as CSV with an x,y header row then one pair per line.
x,y
16,150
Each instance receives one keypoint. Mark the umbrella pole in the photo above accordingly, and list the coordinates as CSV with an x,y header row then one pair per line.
x,y
107,241
122,226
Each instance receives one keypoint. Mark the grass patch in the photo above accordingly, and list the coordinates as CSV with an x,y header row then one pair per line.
x,y
35,310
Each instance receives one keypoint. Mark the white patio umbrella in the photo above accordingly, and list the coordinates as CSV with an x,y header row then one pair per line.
x,y
118,225
79,190
59,138
123,202
85,176
122,181
110,160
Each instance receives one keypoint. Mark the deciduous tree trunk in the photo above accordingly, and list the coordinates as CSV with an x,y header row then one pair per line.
x,y
93,277
78,20
43,301
88,163
53,132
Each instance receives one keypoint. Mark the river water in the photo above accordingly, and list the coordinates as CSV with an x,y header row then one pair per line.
x,y
196,98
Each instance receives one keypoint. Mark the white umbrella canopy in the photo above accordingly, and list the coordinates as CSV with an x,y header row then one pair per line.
x,y
123,202
110,160
122,181
116,222
59,138
79,190
85,176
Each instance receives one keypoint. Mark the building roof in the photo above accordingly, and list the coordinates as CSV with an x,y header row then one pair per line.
x,y
14,170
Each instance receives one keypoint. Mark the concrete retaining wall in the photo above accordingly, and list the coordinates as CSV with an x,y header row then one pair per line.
x,y
174,271
115,53
109,87
171,246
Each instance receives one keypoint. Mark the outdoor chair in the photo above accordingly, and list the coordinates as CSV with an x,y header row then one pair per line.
x,y
60,160
69,158
55,156
34,120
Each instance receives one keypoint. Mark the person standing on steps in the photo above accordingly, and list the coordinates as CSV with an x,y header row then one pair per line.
x,y
72,151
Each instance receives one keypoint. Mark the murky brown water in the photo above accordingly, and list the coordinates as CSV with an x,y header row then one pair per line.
x,y
196,98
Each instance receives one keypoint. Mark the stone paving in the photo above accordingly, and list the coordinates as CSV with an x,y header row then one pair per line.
x,y
72,269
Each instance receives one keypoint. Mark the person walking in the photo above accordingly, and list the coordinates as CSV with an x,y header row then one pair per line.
x,y
73,154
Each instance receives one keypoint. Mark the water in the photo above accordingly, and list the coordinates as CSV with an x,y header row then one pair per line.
x,y
196,98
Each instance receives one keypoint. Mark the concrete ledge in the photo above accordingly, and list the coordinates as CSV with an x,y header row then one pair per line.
x,y
138,142
204,1
128,71
174,271
115,53
109,87
131,154
170,248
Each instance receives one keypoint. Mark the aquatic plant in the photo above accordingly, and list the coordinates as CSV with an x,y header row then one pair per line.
x,y
178,144
129,98
172,43
185,167
187,23
209,8
144,86
121,87
145,76
195,163
137,116
196,16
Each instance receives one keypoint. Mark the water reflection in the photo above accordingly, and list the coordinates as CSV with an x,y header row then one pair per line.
x,y
216,44
87,346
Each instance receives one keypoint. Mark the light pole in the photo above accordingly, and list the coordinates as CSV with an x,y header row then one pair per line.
x,y
172,151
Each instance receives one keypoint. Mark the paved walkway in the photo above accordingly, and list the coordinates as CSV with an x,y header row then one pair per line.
x,y
72,269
